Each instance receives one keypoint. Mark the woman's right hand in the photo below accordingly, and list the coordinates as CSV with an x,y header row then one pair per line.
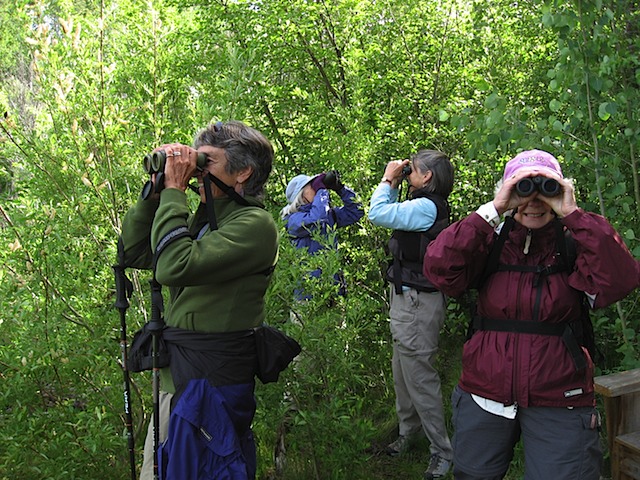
x,y
393,171
507,198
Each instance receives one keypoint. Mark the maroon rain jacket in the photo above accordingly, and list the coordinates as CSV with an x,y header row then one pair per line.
x,y
530,369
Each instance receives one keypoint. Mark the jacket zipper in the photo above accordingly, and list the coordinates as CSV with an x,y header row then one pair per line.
x,y
515,337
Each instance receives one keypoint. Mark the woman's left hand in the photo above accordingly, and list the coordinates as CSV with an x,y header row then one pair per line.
x,y
565,202
180,165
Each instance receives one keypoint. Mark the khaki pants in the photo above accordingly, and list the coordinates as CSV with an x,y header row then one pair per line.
x,y
416,320
165,409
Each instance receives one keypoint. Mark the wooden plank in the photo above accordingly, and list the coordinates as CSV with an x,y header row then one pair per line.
x,y
629,420
630,469
617,384
627,454
630,441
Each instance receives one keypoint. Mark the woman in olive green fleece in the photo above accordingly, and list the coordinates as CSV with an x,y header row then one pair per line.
x,y
217,264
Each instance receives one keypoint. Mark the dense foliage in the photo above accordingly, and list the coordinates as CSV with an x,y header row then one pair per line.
x,y
88,88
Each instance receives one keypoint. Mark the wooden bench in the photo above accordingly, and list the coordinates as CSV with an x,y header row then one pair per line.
x,y
621,393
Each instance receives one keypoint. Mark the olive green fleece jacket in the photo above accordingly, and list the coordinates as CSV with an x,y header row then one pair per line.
x,y
216,283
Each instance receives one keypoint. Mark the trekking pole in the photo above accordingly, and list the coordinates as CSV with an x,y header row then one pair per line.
x,y
155,327
124,289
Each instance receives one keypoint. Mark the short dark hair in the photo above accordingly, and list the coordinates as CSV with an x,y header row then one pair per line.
x,y
441,169
243,146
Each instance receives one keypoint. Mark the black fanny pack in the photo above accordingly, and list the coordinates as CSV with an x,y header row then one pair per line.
x,y
276,350
273,350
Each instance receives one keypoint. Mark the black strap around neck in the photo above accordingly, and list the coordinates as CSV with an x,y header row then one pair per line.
x,y
211,214
227,189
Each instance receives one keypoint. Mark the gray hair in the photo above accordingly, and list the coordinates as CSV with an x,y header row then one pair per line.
x,y
243,147
440,166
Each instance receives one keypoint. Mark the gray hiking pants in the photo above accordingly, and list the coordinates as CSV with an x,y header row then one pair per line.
x,y
559,443
416,320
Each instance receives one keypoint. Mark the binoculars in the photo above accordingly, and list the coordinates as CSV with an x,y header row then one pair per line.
x,y
154,163
332,179
546,186
406,170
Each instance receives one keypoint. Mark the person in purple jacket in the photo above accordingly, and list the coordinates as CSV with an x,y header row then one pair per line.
x,y
525,374
310,217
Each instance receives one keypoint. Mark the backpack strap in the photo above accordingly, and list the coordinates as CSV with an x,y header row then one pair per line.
x,y
565,245
564,330
574,334
492,264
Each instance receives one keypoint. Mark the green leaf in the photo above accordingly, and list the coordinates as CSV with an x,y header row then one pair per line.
x,y
629,334
595,82
603,111
618,189
492,101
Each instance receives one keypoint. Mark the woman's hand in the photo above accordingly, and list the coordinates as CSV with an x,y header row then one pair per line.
x,y
393,171
507,197
565,202
180,165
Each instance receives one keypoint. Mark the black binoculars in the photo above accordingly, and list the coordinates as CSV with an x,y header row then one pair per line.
x,y
332,180
546,186
406,170
154,163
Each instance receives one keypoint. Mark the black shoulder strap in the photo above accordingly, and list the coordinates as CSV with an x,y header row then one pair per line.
x,y
566,247
172,236
213,224
236,197
565,243
573,334
494,256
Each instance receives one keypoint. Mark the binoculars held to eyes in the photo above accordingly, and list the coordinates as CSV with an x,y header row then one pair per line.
x,y
546,186
155,163
406,170
332,180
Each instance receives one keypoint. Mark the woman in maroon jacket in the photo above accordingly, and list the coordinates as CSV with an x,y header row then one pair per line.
x,y
525,374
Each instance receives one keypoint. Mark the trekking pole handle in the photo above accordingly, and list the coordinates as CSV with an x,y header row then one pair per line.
x,y
124,288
